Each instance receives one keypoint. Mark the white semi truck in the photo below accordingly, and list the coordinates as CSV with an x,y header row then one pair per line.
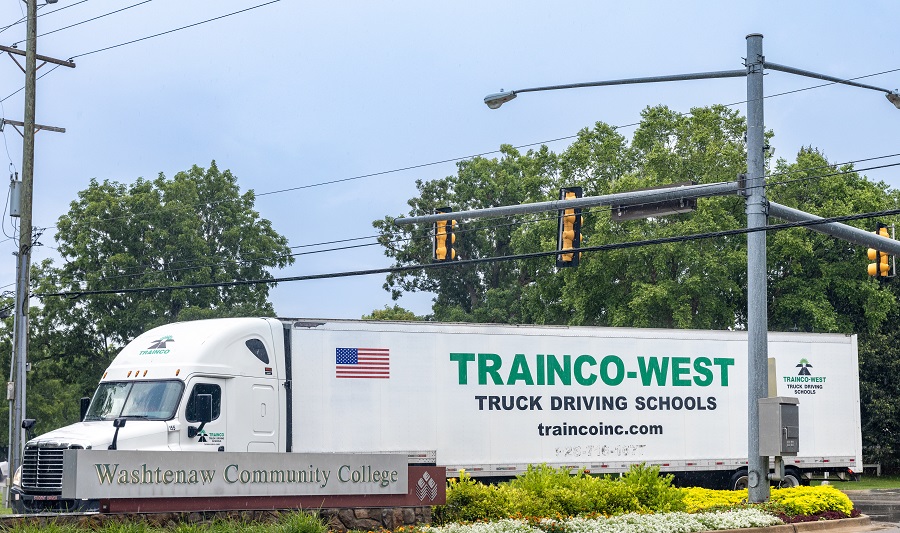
x,y
489,399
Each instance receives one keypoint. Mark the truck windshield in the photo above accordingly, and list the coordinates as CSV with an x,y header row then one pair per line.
x,y
151,400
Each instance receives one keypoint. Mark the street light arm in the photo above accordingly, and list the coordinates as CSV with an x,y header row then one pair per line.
x,y
826,77
496,100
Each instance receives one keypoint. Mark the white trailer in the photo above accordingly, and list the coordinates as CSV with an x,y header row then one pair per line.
x,y
489,399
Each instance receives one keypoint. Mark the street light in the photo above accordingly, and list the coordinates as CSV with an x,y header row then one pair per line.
x,y
498,99
893,96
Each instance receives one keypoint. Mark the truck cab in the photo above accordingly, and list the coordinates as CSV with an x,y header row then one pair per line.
x,y
208,386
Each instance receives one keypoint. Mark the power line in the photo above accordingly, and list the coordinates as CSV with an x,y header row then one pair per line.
x,y
175,30
811,87
12,165
854,171
23,88
88,20
341,180
456,264
21,20
414,167
297,254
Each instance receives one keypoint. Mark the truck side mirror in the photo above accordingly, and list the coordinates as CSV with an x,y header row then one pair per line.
x,y
85,404
118,423
27,424
204,408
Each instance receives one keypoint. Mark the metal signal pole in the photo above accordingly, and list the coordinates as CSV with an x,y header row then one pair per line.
x,y
757,291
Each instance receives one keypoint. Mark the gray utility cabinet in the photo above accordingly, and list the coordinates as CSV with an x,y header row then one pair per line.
x,y
779,426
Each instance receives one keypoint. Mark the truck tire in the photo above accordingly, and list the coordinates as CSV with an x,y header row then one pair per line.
x,y
739,480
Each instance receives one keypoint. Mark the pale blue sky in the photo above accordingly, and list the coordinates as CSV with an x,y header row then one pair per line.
x,y
298,93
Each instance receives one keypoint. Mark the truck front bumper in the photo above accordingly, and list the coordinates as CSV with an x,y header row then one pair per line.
x,y
23,503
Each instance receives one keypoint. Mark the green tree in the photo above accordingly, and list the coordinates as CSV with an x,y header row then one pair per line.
x,y
679,285
695,284
815,281
818,282
392,313
480,292
196,228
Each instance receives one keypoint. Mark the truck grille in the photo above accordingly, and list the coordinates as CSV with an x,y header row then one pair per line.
x,y
42,469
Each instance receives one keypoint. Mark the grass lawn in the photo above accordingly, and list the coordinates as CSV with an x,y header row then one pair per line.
x,y
866,482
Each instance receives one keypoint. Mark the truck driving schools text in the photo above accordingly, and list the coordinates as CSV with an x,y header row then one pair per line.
x,y
586,370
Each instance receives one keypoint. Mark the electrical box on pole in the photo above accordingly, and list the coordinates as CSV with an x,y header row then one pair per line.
x,y
15,197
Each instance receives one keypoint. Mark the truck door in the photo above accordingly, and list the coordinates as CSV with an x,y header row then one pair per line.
x,y
213,435
263,411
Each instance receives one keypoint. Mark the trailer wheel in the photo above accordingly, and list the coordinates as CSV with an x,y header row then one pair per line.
x,y
739,480
791,479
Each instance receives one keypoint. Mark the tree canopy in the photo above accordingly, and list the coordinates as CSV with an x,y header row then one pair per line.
x,y
195,228
816,282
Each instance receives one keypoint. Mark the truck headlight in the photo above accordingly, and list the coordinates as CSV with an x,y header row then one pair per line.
x,y
17,478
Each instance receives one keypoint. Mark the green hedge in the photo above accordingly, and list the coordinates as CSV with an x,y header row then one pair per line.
x,y
544,491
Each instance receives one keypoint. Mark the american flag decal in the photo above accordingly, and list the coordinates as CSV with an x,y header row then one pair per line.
x,y
367,363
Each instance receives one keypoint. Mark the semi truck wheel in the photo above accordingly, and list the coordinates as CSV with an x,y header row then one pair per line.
x,y
739,480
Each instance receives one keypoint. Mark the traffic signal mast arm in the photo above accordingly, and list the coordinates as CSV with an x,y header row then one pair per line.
x,y
623,199
835,229
841,231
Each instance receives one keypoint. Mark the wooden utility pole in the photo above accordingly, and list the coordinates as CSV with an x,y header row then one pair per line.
x,y
23,258
16,386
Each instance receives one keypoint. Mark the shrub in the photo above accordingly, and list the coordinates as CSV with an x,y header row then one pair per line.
x,y
611,496
469,500
811,500
698,499
543,491
654,491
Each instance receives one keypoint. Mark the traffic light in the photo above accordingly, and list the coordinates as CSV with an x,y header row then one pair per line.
x,y
881,265
444,238
569,234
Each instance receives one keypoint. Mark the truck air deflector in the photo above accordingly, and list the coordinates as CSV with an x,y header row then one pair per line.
x,y
288,394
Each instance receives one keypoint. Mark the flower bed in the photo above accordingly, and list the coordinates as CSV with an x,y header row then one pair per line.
x,y
546,500
674,522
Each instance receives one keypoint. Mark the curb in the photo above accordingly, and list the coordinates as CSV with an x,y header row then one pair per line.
x,y
844,524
